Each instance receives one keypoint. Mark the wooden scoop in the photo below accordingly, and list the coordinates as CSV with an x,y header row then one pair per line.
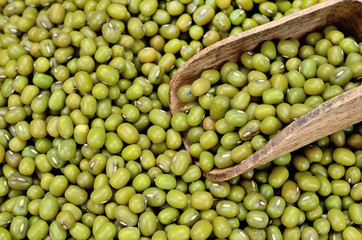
x,y
329,117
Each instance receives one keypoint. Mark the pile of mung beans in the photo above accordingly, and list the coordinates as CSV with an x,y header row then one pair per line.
x,y
89,149
231,113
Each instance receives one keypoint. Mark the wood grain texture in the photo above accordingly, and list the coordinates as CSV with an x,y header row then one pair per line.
x,y
345,14
329,117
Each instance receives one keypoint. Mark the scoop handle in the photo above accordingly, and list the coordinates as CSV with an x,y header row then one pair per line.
x,y
329,117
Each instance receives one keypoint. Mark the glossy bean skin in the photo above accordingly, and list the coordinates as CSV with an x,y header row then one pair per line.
x,y
308,183
350,233
80,231
275,207
46,204
290,216
290,192
257,219
38,230
19,227
221,227
335,218
308,201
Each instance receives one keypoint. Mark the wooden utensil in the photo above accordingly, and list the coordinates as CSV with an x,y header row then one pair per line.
x,y
329,117
345,14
